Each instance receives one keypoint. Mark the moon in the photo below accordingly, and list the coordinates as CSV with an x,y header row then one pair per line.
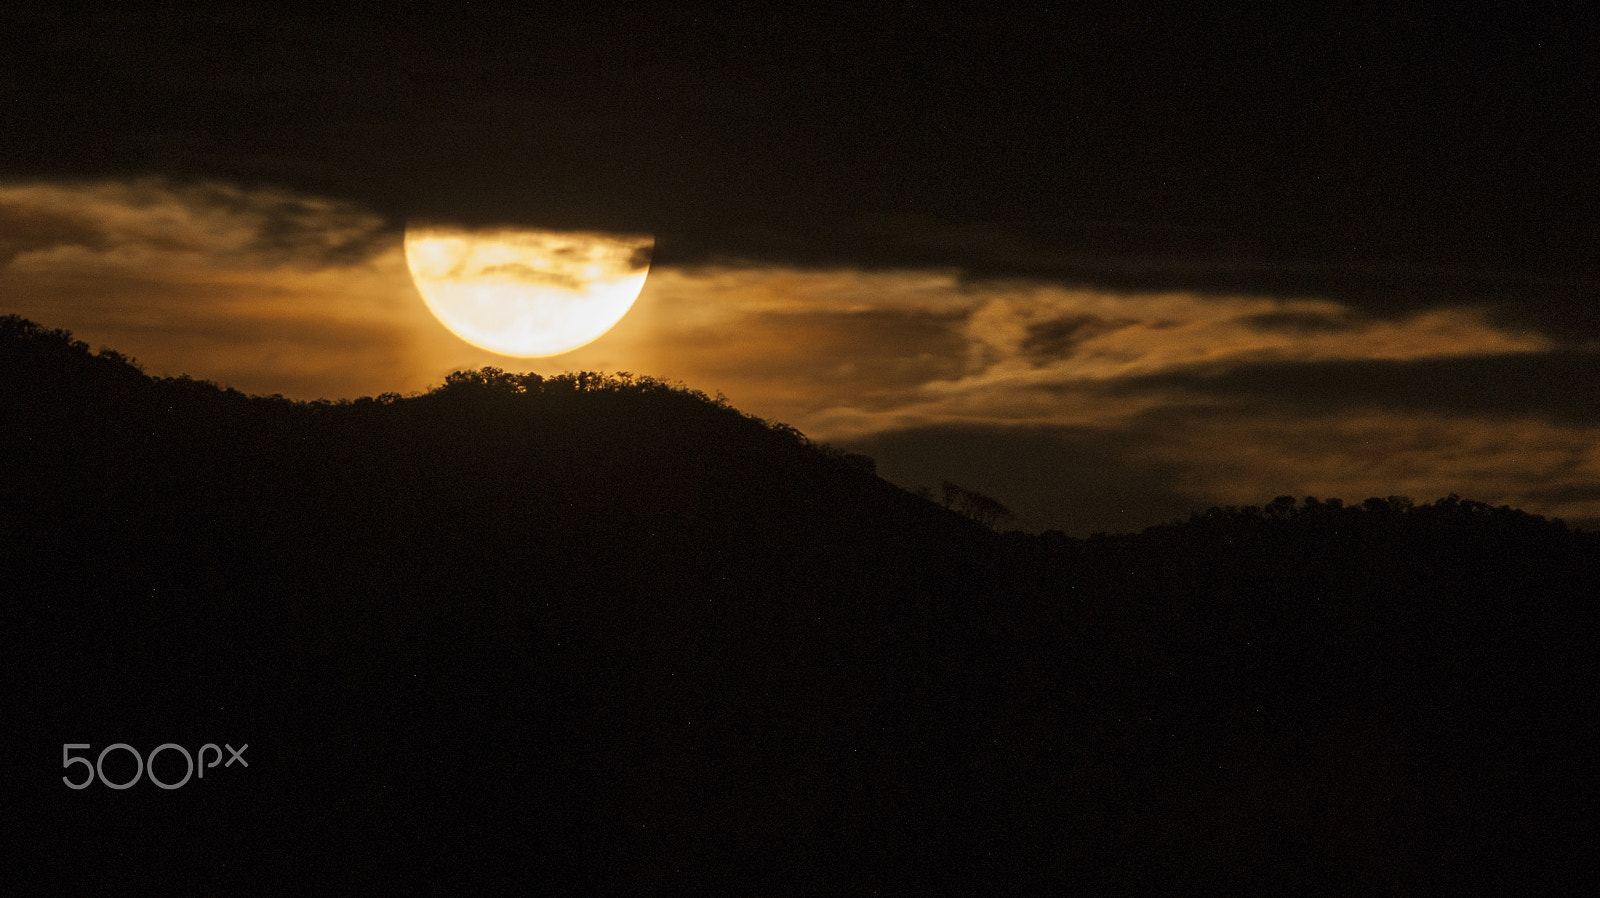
x,y
527,292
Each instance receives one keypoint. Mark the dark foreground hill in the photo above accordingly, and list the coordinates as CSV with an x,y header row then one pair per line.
x,y
598,632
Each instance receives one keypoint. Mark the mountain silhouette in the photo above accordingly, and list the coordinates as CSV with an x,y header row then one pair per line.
x,y
596,632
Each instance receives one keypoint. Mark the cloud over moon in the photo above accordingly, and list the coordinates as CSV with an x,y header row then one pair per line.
x,y
1081,408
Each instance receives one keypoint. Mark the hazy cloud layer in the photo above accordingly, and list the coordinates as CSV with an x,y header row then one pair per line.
x,y
1083,409
1091,410
263,290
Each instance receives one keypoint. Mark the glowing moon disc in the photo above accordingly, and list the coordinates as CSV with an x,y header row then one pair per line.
x,y
526,292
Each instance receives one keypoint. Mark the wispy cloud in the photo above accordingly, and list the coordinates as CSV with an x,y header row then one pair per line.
x,y
151,223
900,348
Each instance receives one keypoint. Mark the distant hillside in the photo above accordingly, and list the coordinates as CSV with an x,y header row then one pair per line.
x,y
599,631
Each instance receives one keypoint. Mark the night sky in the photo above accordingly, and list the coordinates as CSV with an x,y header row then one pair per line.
x,y
1108,268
